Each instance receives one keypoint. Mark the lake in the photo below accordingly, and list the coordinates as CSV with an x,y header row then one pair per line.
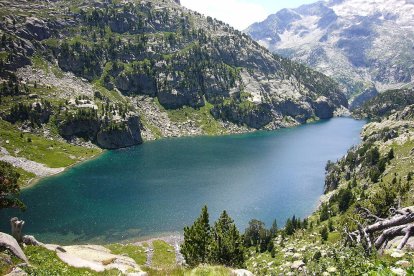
x,y
159,187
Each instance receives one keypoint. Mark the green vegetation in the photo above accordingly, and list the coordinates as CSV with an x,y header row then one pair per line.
x,y
386,103
220,244
9,187
164,255
201,116
133,251
52,153
197,240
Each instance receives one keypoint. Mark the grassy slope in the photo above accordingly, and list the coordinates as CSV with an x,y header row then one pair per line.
x,y
201,116
307,244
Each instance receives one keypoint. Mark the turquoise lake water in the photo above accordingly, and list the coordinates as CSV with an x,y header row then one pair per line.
x,y
161,186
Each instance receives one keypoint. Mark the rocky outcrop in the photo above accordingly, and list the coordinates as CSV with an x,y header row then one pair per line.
x,y
365,96
107,135
140,84
386,103
34,28
174,99
125,134
97,258
323,109
251,115
10,243
84,128
301,112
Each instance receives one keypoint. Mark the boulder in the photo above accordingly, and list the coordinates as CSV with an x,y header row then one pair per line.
x,y
98,258
396,241
17,271
297,264
241,272
31,240
10,243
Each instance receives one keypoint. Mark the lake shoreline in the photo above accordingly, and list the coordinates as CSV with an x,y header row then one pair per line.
x,y
34,181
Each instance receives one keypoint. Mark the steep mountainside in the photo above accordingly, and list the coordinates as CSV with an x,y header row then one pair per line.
x,y
354,231
386,104
114,73
365,45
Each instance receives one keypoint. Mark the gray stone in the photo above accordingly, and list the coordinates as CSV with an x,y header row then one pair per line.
x,y
297,264
10,243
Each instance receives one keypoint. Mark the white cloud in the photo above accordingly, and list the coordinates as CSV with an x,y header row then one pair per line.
x,y
238,13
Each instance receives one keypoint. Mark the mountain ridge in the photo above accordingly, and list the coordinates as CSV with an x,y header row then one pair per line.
x,y
113,74
364,45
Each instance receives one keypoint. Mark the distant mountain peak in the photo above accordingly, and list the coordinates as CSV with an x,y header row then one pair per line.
x,y
364,44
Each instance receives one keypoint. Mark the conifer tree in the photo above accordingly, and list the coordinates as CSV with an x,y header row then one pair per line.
x,y
197,240
273,229
226,247
289,228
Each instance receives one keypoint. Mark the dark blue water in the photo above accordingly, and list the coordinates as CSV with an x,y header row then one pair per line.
x,y
160,187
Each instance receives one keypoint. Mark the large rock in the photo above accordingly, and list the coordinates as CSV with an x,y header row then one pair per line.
x,y
97,258
10,243
241,272
35,28
396,241
17,271
297,264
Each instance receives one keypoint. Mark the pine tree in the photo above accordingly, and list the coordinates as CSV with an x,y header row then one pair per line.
x,y
289,229
226,247
273,229
391,154
197,240
324,233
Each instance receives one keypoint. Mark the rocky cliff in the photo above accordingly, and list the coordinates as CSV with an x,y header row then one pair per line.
x,y
162,50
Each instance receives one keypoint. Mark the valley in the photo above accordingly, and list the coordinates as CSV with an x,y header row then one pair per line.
x,y
121,120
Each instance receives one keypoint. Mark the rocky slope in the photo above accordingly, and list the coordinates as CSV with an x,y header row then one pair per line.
x,y
386,104
369,185
114,73
365,45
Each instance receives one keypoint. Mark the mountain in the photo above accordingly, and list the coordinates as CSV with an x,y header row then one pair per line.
x,y
386,104
367,46
113,74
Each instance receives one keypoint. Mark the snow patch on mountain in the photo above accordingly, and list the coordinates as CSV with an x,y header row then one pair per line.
x,y
364,44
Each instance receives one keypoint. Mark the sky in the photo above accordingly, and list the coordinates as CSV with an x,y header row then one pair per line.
x,y
241,13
